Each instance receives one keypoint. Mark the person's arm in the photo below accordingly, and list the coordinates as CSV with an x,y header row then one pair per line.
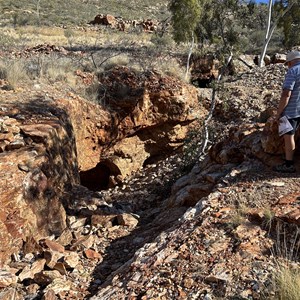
x,y
284,100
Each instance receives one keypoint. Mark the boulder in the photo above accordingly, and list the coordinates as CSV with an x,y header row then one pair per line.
x,y
151,117
104,20
271,142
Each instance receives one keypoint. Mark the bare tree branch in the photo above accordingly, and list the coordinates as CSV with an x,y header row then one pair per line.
x,y
205,134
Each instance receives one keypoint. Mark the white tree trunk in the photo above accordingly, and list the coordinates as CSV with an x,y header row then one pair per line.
x,y
267,35
269,32
205,132
189,57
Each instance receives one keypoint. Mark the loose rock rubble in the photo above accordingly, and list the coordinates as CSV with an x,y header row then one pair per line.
x,y
217,231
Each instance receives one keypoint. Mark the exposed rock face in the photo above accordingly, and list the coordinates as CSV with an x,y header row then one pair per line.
x,y
92,127
38,164
149,25
104,20
43,147
151,116
204,67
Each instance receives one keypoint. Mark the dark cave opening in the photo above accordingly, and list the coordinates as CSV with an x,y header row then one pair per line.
x,y
153,159
97,178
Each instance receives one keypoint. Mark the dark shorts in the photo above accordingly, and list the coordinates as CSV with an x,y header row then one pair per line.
x,y
295,122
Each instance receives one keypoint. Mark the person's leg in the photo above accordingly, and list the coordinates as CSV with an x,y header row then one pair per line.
x,y
289,145
289,148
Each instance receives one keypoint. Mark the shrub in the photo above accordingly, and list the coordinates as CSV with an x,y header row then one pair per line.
x,y
117,60
13,71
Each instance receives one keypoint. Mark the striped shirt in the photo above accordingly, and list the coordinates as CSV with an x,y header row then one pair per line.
x,y
292,83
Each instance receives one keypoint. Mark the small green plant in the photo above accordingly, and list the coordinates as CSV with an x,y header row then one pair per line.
x,y
69,34
238,217
269,216
163,42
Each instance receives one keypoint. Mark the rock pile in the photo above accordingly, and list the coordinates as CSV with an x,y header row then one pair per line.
x,y
148,25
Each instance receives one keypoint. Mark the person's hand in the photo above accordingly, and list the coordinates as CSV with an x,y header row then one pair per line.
x,y
274,118
278,116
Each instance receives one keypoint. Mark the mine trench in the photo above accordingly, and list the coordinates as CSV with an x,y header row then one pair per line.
x,y
143,197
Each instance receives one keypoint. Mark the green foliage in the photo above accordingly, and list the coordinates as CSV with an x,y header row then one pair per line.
x,y
290,23
225,20
185,16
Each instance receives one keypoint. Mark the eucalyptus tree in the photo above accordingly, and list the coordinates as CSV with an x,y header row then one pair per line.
x,y
290,23
185,17
219,23
271,25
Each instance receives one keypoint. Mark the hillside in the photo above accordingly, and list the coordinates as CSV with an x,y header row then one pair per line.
x,y
76,12
103,192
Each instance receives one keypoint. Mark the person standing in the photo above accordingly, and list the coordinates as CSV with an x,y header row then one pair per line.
x,y
289,106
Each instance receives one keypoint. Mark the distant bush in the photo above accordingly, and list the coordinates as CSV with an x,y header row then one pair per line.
x,y
7,41
14,71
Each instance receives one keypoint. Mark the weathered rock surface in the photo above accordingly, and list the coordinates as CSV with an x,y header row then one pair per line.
x,y
46,143
34,176
151,113
220,231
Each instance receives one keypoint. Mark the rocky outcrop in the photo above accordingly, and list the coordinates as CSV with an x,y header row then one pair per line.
x,y
209,235
45,145
151,116
104,20
230,247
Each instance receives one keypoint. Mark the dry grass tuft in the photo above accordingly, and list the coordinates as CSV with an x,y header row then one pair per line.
x,y
287,280
286,277
238,217
118,60
14,71
171,67
269,217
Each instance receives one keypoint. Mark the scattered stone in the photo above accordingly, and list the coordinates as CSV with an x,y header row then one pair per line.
x,y
71,260
91,254
53,246
52,258
7,278
59,285
127,220
46,277
29,271
49,295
